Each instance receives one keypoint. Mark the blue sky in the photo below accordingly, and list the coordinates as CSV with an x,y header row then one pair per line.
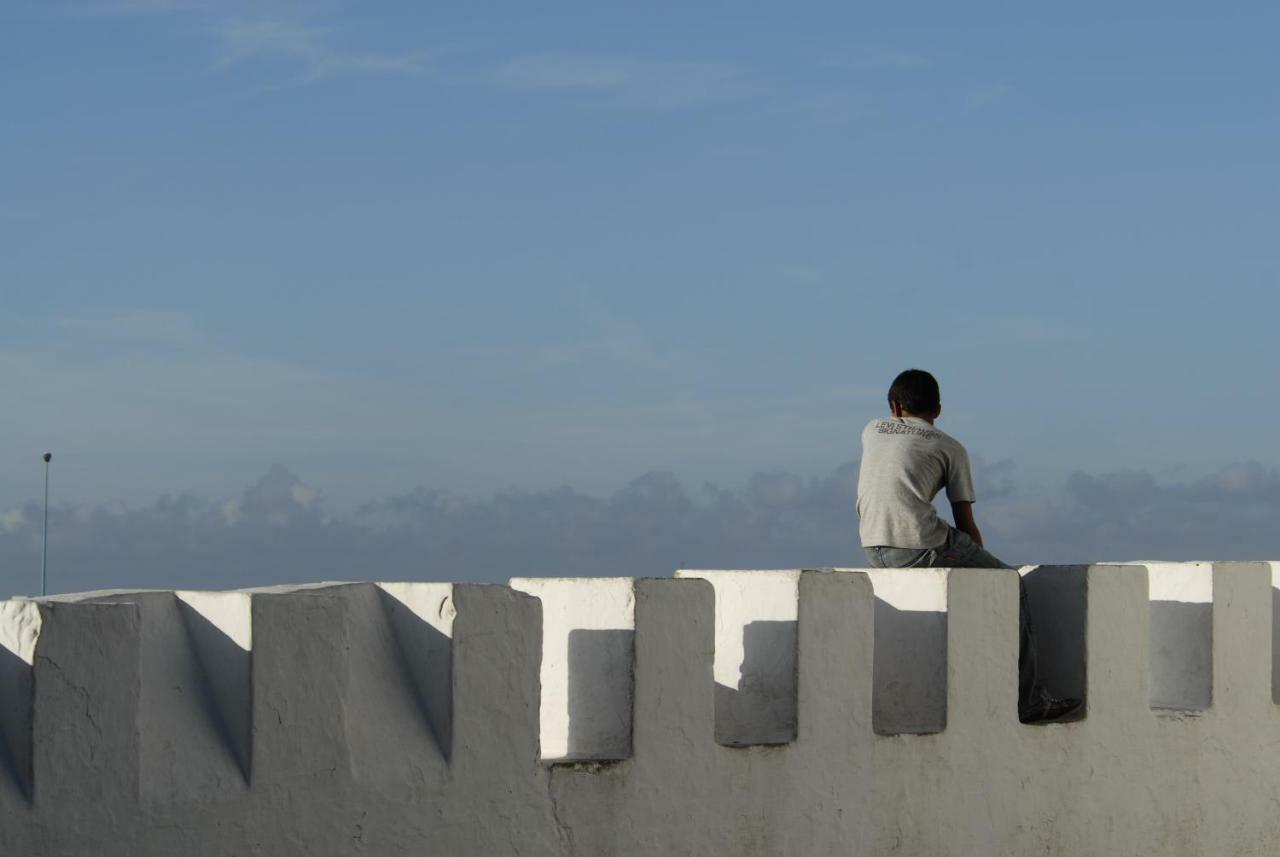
x,y
400,245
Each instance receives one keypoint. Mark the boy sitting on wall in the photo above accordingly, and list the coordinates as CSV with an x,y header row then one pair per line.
x,y
906,461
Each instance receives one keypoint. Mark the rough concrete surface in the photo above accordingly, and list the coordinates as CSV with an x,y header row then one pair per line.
x,y
871,713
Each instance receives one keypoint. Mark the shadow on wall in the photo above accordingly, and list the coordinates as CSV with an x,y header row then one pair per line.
x,y
1275,645
909,692
1181,635
15,721
426,656
1057,598
762,708
225,683
600,672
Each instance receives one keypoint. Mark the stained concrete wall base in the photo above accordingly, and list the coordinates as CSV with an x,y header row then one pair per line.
x,y
875,715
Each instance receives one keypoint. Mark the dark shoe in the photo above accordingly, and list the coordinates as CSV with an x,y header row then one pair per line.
x,y
1049,709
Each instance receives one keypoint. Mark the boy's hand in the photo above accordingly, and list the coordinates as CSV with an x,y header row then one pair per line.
x,y
963,515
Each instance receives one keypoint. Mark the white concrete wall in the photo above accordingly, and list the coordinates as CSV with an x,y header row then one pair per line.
x,y
1275,632
19,630
410,718
755,661
1181,628
910,670
588,650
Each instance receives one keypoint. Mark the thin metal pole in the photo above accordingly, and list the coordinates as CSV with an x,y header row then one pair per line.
x,y
44,552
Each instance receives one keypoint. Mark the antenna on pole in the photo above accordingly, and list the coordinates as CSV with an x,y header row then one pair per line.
x,y
44,552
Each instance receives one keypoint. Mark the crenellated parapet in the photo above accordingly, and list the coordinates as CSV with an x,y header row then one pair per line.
x,y
780,712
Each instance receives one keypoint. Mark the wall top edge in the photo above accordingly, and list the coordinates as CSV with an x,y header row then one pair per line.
x,y
289,588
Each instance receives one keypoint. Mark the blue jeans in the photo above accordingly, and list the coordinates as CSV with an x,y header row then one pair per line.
x,y
960,551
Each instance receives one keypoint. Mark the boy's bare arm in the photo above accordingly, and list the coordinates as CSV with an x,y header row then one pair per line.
x,y
963,515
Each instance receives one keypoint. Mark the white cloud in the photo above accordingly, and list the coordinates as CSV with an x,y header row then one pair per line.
x,y
669,80
277,529
231,512
244,33
290,39
313,51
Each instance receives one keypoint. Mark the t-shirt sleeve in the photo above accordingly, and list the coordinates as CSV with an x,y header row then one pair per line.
x,y
959,477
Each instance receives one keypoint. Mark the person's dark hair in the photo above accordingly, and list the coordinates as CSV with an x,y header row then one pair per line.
x,y
916,391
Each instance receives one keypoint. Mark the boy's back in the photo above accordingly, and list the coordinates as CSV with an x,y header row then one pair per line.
x,y
906,461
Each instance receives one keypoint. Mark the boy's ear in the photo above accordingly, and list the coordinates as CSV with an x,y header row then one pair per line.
x,y
895,409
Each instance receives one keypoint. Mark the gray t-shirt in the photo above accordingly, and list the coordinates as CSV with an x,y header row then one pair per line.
x,y
905,463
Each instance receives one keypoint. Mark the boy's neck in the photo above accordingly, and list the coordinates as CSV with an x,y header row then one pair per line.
x,y
902,413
